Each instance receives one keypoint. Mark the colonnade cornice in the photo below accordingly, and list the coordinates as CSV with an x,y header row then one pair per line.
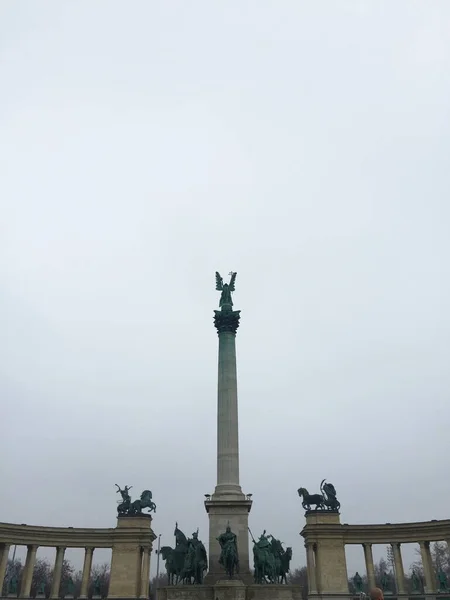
x,y
73,537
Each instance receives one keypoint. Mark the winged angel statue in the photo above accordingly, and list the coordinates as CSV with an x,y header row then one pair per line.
x,y
226,302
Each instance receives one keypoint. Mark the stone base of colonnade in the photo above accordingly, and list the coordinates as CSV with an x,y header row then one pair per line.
x,y
233,589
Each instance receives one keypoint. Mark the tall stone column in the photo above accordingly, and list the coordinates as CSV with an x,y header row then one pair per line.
x,y
27,576
399,572
370,570
88,554
57,571
4,553
427,567
228,505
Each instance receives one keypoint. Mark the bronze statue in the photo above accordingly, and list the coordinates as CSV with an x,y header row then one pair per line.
x,y
271,562
188,561
226,302
196,561
357,582
385,582
12,588
126,507
309,499
123,507
229,557
416,582
329,496
443,582
97,587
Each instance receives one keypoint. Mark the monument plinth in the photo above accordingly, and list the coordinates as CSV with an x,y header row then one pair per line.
x,y
130,562
227,505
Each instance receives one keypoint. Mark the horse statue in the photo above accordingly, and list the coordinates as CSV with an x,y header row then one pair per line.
x,y
145,501
168,555
264,559
329,495
309,499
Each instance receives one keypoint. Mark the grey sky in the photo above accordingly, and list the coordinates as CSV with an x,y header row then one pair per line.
x,y
303,144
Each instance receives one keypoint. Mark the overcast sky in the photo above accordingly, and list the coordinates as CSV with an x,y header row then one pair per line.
x,y
304,145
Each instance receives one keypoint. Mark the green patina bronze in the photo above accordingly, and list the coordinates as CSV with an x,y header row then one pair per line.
x,y
226,320
97,587
385,585
41,589
126,507
229,556
271,562
416,581
226,301
325,501
188,561
442,580
358,582
13,584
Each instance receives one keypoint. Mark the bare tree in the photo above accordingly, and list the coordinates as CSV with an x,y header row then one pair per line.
x,y
157,583
299,576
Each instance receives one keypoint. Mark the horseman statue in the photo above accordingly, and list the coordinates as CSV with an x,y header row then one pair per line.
x,y
271,561
229,557
196,562
126,507
188,561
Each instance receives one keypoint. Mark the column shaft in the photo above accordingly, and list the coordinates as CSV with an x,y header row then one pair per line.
x,y
311,568
368,556
427,567
399,572
27,576
145,572
57,571
4,553
88,553
227,418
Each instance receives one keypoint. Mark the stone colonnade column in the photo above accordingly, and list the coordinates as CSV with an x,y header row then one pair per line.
x,y
311,568
57,571
27,576
427,567
88,553
145,572
368,557
399,572
4,553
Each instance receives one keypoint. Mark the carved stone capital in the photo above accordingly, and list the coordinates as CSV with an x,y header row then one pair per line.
x,y
226,321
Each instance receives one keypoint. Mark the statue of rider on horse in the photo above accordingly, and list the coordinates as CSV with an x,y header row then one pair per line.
x,y
229,556
271,561
188,561
325,501
126,507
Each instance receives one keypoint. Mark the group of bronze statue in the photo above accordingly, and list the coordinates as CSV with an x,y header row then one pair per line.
x,y
188,561
325,501
126,507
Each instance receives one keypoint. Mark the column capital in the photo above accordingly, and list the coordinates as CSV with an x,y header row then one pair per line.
x,y
226,321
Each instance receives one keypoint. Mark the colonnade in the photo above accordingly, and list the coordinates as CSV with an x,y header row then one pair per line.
x,y
131,544
326,538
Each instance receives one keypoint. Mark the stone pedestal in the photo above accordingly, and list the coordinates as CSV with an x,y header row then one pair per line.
x,y
326,562
230,589
222,512
128,565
